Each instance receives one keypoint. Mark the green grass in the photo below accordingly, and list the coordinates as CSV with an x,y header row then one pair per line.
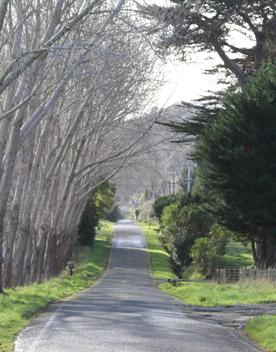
x,y
263,330
237,254
210,294
190,273
160,259
19,306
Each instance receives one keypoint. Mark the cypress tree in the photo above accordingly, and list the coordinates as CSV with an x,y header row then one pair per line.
x,y
237,154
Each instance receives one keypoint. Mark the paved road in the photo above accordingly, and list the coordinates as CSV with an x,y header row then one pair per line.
x,y
125,312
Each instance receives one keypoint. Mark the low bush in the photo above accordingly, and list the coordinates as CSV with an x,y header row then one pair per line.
x,y
182,225
163,202
101,203
207,251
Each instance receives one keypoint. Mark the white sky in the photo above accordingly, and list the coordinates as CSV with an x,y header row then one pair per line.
x,y
184,81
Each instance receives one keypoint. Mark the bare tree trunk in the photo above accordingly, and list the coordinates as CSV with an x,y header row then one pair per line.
x,y
7,180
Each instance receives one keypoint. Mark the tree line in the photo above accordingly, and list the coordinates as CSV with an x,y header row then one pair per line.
x,y
73,81
233,132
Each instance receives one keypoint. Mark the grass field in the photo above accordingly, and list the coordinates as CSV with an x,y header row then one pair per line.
x,y
18,306
211,294
263,331
160,259
237,254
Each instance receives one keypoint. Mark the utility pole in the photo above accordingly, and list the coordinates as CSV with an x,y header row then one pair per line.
x,y
173,183
189,180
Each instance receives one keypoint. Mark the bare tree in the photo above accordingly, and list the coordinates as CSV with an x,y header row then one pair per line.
x,y
75,77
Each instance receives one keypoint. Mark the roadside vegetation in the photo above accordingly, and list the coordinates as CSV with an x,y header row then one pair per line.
x,y
227,218
20,305
160,260
262,330
236,254
212,294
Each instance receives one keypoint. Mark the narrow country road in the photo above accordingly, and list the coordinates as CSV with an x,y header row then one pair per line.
x,y
125,312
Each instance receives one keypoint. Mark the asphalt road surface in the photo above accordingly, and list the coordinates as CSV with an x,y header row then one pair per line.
x,y
125,312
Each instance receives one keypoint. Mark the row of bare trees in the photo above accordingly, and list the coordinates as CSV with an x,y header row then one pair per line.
x,y
74,75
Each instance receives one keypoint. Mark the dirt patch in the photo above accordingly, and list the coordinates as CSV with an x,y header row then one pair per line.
x,y
232,316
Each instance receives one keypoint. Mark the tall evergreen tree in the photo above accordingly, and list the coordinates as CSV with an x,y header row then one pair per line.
x,y
237,156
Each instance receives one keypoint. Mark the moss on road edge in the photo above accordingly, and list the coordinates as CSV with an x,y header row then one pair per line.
x,y
19,306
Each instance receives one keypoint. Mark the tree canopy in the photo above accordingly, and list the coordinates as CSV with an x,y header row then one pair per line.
x,y
241,32
237,154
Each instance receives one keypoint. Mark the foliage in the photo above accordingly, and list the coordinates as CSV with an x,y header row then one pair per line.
x,y
209,26
88,224
183,223
237,254
114,215
206,251
99,205
262,330
19,306
163,202
202,111
211,294
159,257
237,156
190,273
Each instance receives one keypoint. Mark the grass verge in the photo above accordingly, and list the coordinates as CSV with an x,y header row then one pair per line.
x,y
237,254
19,306
211,294
160,259
263,331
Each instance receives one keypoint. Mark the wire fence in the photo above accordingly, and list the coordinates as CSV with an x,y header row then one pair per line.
x,y
235,274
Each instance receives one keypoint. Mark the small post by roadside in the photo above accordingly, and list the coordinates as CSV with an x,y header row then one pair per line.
x,y
71,267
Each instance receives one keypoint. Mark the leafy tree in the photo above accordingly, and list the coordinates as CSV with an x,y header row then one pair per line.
x,y
163,202
183,223
237,156
89,222
206,251
104,198
99,205
211,25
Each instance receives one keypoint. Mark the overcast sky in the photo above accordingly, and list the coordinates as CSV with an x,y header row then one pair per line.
x,y
184,81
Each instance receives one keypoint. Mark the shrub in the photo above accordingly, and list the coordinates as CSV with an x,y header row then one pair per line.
x,y
163,202
88,224
182,226
99,205
206,251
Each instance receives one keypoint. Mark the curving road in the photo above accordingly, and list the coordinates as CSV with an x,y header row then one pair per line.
x,y
125,312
